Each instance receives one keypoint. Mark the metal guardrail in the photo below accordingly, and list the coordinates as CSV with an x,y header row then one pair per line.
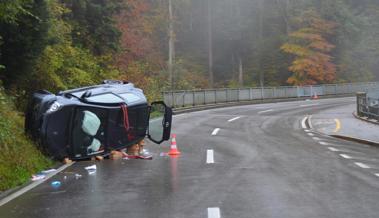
x,y
367,107
192,98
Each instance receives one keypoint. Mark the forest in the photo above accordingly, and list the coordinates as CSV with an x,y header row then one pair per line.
x,y
186,44
169,45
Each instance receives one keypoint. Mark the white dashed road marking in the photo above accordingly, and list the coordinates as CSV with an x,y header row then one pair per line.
x,y
377,174
362,165
346,156
316,138
215,131
333,149
311,134
262,112
324,143
214,212
233,119
210,157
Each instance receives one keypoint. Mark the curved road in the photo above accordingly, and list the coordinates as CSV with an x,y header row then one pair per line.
x,y
246,161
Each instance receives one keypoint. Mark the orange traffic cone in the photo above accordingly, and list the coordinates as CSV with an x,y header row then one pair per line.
x,y
173,148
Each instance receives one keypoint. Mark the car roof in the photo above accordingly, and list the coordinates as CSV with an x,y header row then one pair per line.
x,y
109,93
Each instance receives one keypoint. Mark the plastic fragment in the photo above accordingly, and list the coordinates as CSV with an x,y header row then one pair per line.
x,y
91,172
56,184
38,177
93,167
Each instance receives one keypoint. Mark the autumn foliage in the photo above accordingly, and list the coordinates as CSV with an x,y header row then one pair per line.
x,y
313,61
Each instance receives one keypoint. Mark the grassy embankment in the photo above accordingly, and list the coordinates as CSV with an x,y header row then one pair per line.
x,y
19,157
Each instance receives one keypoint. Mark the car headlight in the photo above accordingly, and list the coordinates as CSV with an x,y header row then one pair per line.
x,y
54,107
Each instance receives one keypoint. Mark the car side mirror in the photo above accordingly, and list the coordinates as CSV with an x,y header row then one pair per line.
x,y
160,117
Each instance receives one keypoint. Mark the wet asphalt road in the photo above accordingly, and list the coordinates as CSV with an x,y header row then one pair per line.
x,y
265,165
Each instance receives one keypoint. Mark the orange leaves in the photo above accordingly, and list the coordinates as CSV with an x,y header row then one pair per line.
x,y
137,31
294,49
313,63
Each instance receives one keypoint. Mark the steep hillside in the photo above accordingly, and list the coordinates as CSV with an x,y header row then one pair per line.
x,y
19,157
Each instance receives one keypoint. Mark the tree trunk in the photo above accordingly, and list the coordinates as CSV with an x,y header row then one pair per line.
x,y
191,18
260,32
210,46
284,11
240,72
171,45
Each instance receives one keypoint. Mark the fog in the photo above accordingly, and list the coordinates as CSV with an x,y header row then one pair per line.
x,y
247,37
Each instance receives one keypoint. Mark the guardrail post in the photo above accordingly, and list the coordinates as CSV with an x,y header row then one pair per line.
x,y
193,98
285,91
173,100
226,95
297,92
184,99
274,92
204,98
215,96
311,90
361,99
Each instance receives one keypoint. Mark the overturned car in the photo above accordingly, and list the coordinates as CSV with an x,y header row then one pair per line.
x,y
95,120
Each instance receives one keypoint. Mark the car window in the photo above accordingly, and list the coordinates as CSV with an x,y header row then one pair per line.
x,y
105,98
88,131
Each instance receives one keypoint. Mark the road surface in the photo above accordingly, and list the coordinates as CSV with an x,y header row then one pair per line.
x,y
255,161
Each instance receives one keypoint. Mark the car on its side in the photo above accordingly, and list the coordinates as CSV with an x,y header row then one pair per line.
x,y
95,120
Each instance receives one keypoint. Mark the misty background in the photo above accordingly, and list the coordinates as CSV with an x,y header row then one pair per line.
x,y
186,44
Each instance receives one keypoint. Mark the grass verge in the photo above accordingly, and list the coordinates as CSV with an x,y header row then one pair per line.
x,y
19,157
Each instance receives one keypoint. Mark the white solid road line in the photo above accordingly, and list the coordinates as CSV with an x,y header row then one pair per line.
x,y
346,156
362,165
233,119
308,105
261,112
303,123
210,157
310,122
333,149
32,185
214,212
215,131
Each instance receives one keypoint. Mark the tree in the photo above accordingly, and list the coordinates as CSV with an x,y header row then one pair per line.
x,y
23,40
313,61
94,26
